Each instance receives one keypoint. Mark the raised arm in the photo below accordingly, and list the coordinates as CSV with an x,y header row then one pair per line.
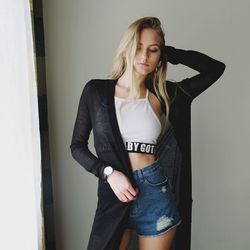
x,y
79,143
209,69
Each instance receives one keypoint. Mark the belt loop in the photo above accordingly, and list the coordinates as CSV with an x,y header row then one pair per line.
x,y
141,175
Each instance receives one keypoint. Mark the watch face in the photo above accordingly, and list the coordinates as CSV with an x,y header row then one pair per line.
x,y
108,170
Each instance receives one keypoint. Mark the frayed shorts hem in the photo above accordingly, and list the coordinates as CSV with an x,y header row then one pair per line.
x,y
155,235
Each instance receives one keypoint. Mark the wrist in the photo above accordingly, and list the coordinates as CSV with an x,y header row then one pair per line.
x,y
108,170
110,176
171,54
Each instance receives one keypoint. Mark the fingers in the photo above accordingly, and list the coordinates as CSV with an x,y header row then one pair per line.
x,y
125,197
132,190
121,197
122,187
128,195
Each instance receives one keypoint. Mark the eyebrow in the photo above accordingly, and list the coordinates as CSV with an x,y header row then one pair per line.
x,y
155,44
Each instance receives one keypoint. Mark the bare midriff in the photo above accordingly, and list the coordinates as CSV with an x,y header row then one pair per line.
x,y
140,160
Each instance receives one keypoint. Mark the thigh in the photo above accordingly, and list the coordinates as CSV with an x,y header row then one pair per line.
x,y
161,242
125,239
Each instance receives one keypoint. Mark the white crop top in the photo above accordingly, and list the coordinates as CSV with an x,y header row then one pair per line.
x,y
138,123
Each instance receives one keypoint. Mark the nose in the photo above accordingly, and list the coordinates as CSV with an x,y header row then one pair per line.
x,y
144,54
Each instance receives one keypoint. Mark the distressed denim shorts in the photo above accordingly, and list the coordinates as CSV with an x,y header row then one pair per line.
x,y
154,212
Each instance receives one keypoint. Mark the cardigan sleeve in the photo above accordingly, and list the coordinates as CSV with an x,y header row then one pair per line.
x,y
209,69
79,143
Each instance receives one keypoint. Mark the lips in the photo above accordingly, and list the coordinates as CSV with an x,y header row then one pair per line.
x,y
143,64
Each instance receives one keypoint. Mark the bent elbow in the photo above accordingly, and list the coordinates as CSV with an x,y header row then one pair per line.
x,y
220,68
217,70
73,149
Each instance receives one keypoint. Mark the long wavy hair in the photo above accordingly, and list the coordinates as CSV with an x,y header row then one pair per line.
x,y
124,57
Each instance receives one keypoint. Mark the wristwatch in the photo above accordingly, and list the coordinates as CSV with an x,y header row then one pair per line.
x,y
107,171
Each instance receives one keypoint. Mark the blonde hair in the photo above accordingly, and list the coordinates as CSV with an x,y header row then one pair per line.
x,y
124,57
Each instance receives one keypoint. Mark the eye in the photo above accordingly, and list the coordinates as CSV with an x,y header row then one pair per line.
x,y
154,50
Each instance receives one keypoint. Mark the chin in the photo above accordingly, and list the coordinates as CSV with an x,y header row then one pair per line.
x,y
142,72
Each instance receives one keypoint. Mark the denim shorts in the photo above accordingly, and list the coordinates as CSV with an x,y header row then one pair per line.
x,y
154,212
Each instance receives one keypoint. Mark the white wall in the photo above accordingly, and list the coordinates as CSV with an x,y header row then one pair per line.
x,y
81,37
20,161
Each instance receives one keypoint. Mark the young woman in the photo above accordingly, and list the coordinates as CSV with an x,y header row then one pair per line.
x,y
139,122
138,158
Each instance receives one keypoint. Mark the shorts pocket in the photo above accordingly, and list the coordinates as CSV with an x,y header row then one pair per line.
x,y
157,178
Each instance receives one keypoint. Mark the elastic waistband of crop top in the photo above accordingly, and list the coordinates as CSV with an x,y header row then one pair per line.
x,y
140,147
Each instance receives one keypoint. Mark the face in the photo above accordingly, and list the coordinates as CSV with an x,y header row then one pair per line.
x,y
148,52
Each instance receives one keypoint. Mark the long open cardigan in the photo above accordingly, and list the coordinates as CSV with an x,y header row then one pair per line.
x,y
96,111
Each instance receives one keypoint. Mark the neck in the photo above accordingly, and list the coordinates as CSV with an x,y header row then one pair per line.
x,y
125,80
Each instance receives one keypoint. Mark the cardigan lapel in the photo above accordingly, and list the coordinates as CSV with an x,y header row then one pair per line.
x,y
115,127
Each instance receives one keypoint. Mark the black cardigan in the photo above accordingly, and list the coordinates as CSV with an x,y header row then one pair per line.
x,y
96,111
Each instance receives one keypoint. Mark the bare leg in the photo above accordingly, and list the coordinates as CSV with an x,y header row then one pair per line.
x,y
161,242
125,239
